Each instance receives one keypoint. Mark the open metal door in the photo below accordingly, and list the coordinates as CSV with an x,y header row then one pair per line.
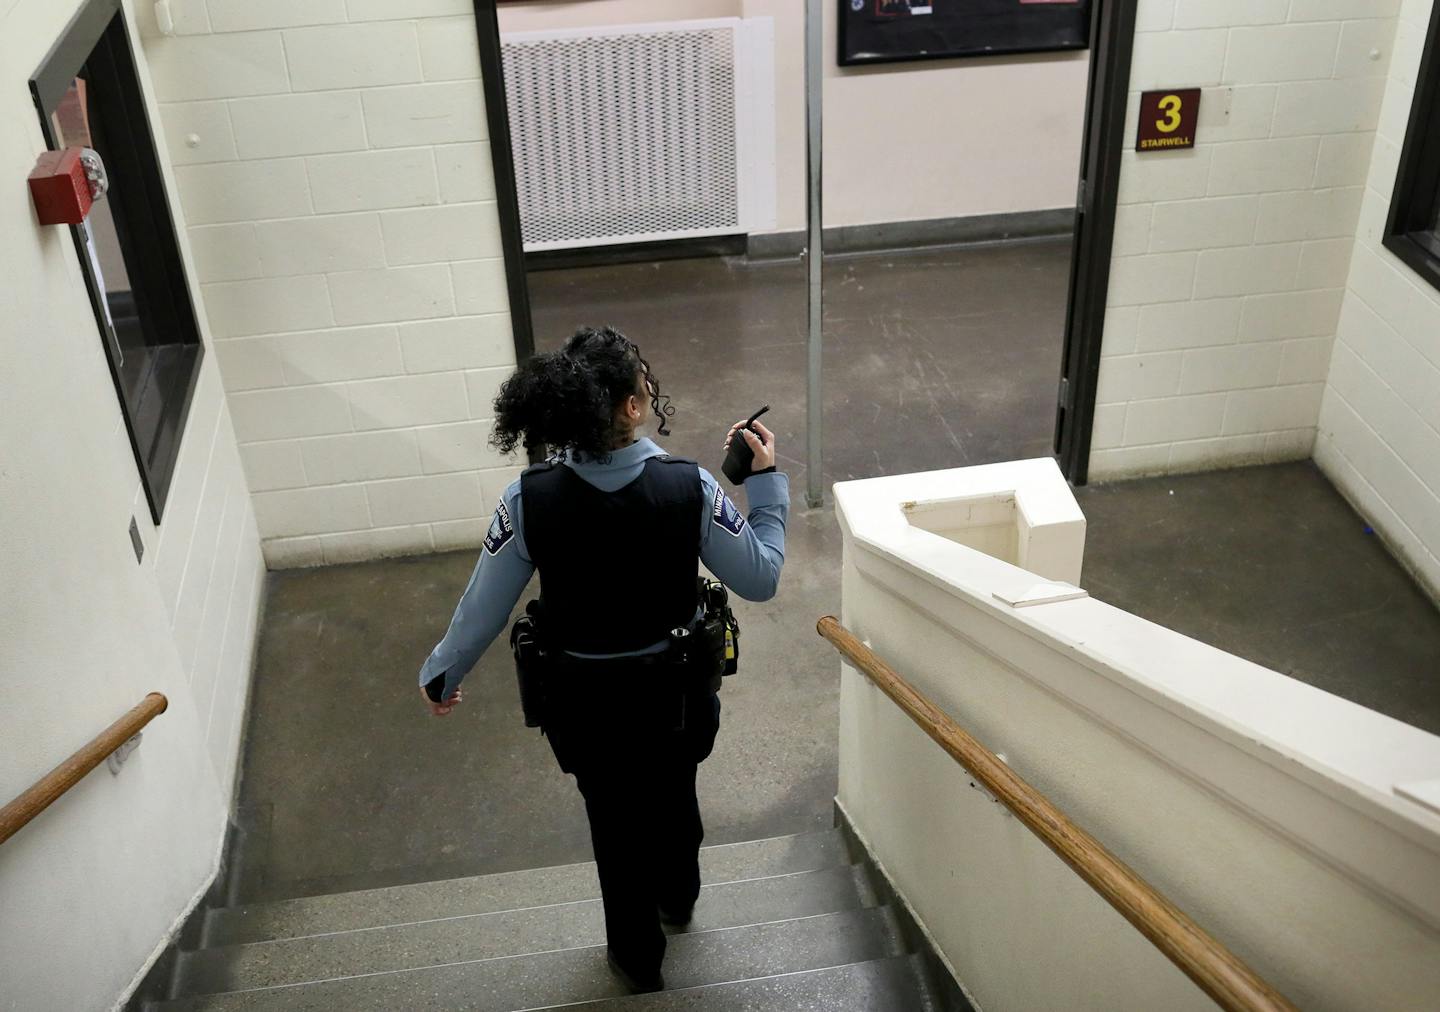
x,y
1112,41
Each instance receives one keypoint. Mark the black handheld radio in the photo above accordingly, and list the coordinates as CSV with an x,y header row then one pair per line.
x,y
739,457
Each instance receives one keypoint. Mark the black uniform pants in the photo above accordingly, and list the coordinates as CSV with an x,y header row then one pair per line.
x,y
638,781
646,830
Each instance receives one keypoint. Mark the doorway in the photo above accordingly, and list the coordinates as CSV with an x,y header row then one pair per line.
x,y
941,334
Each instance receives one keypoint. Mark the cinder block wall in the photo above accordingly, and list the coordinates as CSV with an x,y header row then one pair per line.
x,y
1230,260
333,167
1380,418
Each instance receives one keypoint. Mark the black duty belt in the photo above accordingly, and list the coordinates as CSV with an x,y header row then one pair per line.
x,y
695,659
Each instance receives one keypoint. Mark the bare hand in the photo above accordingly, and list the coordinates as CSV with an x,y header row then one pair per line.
x,y
442,709
763,444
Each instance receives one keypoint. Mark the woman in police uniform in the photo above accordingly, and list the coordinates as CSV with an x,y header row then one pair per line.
x,y
608,502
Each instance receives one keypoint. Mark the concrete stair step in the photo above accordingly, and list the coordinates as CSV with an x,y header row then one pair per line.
x,y
546,979
502,933
895,984
535,887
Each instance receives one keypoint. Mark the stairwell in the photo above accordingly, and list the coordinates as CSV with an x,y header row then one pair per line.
x,y
795,922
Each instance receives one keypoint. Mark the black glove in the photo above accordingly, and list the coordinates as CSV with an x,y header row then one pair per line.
x,y
435,689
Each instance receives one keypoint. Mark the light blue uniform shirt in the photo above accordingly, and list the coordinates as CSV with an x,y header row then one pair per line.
x,y
744,553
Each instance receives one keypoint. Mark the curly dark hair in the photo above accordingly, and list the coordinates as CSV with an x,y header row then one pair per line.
x,y
566,400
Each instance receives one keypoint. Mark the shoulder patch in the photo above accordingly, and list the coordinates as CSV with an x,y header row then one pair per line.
x,y
501,531
725,514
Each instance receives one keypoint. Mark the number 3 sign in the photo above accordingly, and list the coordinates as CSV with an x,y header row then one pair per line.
x,y
1167,120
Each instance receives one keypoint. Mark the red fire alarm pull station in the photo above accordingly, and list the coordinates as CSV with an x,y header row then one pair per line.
x,y
65,184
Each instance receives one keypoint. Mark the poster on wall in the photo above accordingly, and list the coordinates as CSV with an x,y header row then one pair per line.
x,y
891,31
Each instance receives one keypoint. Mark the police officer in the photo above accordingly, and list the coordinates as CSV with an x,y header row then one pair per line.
x,y
616,529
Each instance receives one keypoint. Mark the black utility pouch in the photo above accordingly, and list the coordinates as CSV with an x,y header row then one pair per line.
x,y
531,664
696,654
722,628
732,643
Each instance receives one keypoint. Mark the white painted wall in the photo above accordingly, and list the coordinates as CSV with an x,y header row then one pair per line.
x,y
967,137
1264,808
335,174
1230,261
99,879
1380,417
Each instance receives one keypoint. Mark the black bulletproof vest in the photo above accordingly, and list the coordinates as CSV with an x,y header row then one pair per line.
x,y
617,569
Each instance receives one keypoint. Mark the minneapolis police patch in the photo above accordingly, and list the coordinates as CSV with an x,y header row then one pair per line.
x,y
726,515
501,530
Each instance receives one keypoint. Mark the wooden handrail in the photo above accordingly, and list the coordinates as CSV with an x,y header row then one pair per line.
x,y
1218,971
18,813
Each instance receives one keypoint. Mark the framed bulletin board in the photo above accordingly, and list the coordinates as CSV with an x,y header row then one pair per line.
x,y
890,31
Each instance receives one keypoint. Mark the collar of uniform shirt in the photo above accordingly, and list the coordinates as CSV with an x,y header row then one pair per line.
x,y
621,469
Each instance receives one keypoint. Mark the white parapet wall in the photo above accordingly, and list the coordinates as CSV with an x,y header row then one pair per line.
x,y
1278,816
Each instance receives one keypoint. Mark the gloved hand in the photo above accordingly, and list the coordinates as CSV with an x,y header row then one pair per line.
x,y
764,450
442,708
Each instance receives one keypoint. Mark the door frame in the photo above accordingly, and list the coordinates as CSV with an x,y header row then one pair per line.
x,y
502,160
1112,44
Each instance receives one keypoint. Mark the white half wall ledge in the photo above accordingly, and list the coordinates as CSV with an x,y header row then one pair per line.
x,y
1426,793
1042,593
1318,769
1020,510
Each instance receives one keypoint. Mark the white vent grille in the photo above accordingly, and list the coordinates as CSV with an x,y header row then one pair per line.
x,y
626,135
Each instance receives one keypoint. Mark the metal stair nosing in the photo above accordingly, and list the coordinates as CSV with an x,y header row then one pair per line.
x,y
311,915
518,931
538,980
891,984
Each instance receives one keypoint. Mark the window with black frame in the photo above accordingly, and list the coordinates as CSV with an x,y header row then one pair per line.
x,y
88,95
1413,231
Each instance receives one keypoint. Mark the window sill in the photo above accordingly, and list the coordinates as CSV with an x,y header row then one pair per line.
x,y
1420,251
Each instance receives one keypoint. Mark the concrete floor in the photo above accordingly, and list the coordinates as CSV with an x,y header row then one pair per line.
x,y
934,360
1272,564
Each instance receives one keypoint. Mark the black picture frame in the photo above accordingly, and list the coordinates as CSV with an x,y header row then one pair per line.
x,y
156,391
1412,231
959,28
